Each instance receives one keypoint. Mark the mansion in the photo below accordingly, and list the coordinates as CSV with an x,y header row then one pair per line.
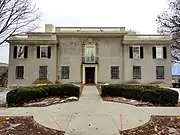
x,y
88,55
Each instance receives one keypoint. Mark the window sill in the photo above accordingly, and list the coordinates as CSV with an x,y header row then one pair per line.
x,y
160,78
137,58
115,78
20,58
20,78
43,78
137,78
159,58
44,58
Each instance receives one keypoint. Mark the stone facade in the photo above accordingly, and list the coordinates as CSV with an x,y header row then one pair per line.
x,y
69,51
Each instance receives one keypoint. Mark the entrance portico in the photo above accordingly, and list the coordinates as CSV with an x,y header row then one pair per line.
x,y
89,73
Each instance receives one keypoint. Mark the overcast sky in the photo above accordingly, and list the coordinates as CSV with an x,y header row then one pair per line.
x,y
138,15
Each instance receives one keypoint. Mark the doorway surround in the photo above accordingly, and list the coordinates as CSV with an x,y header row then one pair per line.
x,y
84,72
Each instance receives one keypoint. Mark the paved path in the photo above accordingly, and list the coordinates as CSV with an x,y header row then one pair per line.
x,y
90,115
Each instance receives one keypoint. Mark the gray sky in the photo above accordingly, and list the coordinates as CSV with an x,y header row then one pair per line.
x,y
138,15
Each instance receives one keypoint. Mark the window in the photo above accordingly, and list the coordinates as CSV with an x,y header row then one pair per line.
x,y
90,53
159,52
19,72
136,52
159,72
20,51
43,51
43,72
65,72
136,72
114,72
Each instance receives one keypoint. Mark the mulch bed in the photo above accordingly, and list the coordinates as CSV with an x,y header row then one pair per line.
x,y
24,125
132,102
158,125
43,102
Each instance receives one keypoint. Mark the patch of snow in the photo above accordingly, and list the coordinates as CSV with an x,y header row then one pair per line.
x,y
132,101
72,98
106,84
3,97
62,101
172,130
76,85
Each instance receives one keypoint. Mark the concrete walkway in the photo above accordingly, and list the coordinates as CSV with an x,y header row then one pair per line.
x,y
90,115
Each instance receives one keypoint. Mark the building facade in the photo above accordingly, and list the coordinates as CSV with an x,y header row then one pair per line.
x,y
89,55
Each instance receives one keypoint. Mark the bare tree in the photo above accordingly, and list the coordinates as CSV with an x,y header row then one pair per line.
x,y
16,17
169,23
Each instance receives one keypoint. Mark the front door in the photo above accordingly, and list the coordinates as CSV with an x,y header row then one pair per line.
x,y
90,72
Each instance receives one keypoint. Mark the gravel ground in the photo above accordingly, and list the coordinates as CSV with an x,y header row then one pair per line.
x,y
158,125
132,102
24,125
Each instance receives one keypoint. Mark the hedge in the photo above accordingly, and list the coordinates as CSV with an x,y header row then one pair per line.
x,y
155,95
20,95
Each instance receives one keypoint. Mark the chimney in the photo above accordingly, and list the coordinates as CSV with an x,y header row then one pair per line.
x,y
49,28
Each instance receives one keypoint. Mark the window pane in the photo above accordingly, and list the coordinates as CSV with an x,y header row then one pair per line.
x,y
136,52
19,72
44,52
20,52
115,72
159,72
136,72
43,72
65,72
159,52
90,54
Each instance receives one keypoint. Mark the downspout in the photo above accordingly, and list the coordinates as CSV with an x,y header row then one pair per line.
x,y
123,64
57,61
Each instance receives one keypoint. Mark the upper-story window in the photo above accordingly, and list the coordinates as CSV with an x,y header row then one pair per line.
x,y
20,51
90,53
43,51
159,52
136,52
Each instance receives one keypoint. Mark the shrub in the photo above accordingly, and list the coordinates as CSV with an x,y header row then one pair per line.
x,y
20,95
132,82
155,95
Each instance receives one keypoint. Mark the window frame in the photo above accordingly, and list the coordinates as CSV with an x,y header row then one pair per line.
x,y
139,51
63,76
45,47
160,52
19,75
139,75
18,47
86,52
46,72
157,76
114,74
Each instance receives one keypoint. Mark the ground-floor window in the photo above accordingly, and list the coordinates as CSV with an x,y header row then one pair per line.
x,y
114,72
136,72
159,72
64,72
19,72
43,72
